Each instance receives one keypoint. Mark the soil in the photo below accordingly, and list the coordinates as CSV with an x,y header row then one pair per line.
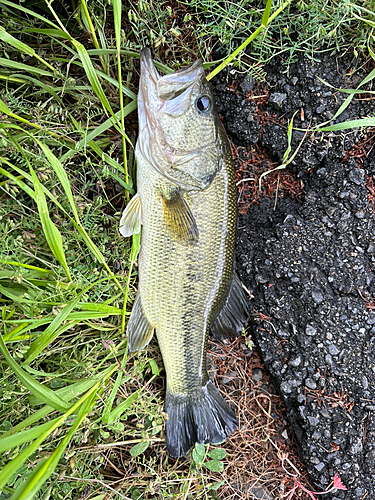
x,y
306,253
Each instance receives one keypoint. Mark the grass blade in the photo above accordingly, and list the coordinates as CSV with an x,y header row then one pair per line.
x,y
44,469
129,108
10,469
92,76
48,396
29,12
23,67
266,13
363,122
66,393
61,174
9,442
242,47
22,47
119,410
52,234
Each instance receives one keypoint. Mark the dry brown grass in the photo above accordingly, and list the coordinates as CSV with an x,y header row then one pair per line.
x,y
255,453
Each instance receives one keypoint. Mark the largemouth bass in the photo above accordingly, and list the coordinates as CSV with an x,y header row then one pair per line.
x,y
186,205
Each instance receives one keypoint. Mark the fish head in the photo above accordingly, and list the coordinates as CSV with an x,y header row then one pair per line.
x,y
179,125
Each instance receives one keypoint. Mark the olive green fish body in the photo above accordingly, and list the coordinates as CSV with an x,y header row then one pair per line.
x,y
186,204
183,285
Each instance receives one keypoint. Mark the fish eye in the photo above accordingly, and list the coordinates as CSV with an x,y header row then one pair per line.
x,y
203,103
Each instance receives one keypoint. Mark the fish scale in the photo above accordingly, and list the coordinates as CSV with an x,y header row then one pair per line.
x,y
186,203
180,285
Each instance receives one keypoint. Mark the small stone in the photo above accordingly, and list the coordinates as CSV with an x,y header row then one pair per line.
x,y
277,98
247,84
357,176
328,359
333,350
360,215
286,387
319,466
356,447
310,383
257,374
313,421
285,434
295,361
317,296
260,278
311,330
261,493
229,377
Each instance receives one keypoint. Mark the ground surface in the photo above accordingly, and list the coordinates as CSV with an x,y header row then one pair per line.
x,y
306,251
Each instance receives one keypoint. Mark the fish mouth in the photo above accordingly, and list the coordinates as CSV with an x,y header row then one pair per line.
x,y
171,85
169,94
155,90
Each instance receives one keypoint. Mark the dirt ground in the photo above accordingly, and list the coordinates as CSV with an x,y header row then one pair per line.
x,y
306,252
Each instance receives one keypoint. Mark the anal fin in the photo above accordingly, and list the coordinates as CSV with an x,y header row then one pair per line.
x,y
139,329
233,316
131,219
179,220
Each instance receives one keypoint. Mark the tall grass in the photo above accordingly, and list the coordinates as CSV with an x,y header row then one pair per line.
x,y
67,280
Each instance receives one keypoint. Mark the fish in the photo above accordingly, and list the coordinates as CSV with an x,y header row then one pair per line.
x,y
186,210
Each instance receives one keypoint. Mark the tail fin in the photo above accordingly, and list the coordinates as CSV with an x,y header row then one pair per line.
x,y
200,417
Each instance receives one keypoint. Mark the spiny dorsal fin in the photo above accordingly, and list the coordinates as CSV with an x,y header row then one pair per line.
x,y
179,219
131,219
139,329
233,316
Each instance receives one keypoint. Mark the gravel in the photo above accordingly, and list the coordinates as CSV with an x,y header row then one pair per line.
x,y
309,263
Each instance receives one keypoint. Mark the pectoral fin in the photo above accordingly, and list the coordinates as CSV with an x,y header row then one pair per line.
x,y
179,220
139,329
233,316
131,219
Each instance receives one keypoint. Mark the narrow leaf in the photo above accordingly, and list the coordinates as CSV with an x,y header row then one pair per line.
x,y
364,122
17,44
52,234
92,76
48,396
44,469
121,408
61,174
9,442
24,67
266,13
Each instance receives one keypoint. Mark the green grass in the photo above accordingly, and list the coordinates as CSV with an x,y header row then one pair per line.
x,y
68,82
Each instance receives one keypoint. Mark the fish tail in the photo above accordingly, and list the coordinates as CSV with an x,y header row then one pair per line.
x,y
199,417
